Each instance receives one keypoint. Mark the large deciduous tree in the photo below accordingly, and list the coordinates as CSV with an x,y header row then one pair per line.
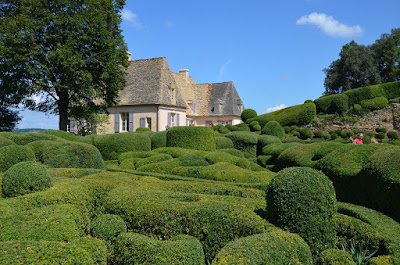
x,y
68,55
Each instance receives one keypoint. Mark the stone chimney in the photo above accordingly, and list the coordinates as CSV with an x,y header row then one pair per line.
x,y
129,56
185,73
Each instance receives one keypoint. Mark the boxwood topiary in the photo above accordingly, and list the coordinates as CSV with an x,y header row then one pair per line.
x,y
374,103
334,256
158,139
248,114
272,248
305,133
190,137
357,108
303,201
111,145
13,154
25,138
24,178
274,128
223,143
392,135
337,103
108,226
4,142
245,142
381,129
380,135
240,127
264,140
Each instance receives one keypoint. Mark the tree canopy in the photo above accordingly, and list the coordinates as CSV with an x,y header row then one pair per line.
x,y
360,65
68,55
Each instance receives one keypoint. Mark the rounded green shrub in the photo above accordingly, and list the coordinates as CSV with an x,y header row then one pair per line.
x,y
108,226
243,127
13,154
374,103
305,133
308,101
25,138
111,145
223,143
245,142
334,256
264,140
62,134
274,128
4,142
25,177
357,108
248,114
257,128
380,135
302,200
334,136
393,135
222,129
272,248
287,129
381,129
189,137
67,154
158,139
337,103
143,129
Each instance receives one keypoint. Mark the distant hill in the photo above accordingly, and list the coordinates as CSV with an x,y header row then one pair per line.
x,y
29,130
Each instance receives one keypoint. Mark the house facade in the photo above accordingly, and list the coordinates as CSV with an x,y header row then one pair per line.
x,y
155,97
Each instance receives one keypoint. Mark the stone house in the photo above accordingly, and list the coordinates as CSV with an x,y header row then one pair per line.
x,y
155,97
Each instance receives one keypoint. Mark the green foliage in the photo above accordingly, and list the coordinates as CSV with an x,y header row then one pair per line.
x,y
26,138
274,150
305,133
357,108
62,134
158,139
66,154
132,248
273,248
381,129
223,143
240,127
337,103
374,103
135,154
4,141
24,178
264,140
334,136
218,156
380,135
334,256
190,137
245,142
108,226
303,201
222,129
232,151
382,260
143,129
82,251
393,135
274,128
359,255
392,89
295,115
13,154
72,172
248,114
111,145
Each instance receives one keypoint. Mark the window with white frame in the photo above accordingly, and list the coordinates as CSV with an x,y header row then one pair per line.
x,y
148,120
173,119
124,121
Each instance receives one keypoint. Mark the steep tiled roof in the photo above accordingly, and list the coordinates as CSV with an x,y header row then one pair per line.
x,y
226,96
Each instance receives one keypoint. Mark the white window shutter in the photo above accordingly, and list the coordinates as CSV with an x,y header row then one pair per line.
x,y
130,128
117,122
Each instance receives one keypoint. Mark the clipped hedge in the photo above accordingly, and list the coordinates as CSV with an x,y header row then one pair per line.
x,y
245,142
296,115
223,143
334,256
374,103
4,141
219,156
85,251
25,138
67,154
274,128
305,133
303,201
391,89
264,140
111,145
272,248
13,154
190,137
274,150
133,248
248,114
108,226
24,178
158,139
337,103
363,93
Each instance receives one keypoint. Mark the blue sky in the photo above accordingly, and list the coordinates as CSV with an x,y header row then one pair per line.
x,y
273,51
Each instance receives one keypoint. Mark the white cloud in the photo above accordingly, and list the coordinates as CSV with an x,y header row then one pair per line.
x,y
223,69
278,107
132,18
330,26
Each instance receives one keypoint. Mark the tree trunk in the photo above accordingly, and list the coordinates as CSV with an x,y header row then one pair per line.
x,y
63,113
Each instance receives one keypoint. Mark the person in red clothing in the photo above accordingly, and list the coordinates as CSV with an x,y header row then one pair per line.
x,y
358,140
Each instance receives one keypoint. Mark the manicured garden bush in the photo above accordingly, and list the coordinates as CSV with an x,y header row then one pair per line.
x,y
24,178
357,108
381,129
364,93
189,137
336,103
158,139
334,256
264,140
62,134
83,251
67,154
223,143
392,89
245,142
248,114
111,145
72,172
393,135
232,151
334,136
25,138
380,135
4,142
176,152
222,129
374,103
108,226
13,154
135,154
274,128
382,260
143,129
218,156
305,133
303,201
274,150
132,248
274,248
242,127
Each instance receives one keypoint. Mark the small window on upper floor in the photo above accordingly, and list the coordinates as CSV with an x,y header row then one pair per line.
x,y
172,92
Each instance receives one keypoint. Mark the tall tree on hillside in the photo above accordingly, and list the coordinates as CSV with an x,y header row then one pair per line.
x,y
387,52
69,55
356,67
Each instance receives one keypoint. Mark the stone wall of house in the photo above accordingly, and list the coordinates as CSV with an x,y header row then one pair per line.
x,y
388,118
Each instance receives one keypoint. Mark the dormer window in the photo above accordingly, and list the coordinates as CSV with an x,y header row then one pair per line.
x,y
172,91
217,107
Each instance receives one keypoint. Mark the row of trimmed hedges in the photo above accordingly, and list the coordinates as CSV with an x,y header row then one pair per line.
x,y
199,138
